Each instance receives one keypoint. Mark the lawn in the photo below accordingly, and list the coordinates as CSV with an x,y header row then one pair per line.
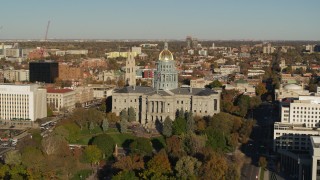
x,y
158,143
97,130
82,174
122,139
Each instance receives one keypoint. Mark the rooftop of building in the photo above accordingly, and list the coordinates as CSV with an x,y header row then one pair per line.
x,y
44,61
315,140
292,87
241,81
177,91
53,90
294,127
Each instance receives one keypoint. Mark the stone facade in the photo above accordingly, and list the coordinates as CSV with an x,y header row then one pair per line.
x,y
151,104
59,99
130,76
165,97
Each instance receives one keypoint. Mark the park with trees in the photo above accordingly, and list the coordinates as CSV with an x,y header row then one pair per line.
x,y
188,147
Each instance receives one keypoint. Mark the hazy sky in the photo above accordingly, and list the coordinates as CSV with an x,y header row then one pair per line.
x,y
161,19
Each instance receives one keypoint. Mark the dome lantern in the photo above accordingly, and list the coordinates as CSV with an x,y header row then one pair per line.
x,y
165,54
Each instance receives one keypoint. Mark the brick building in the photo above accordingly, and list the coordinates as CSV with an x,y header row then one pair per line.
x,y
67,72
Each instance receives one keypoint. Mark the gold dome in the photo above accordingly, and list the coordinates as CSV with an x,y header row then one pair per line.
x,y
165,55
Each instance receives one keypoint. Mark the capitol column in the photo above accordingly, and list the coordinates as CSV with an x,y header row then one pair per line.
x,y
145,111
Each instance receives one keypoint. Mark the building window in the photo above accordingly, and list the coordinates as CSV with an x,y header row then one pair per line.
x,y
215,104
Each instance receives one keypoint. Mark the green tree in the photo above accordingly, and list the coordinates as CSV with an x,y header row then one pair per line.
x,y
103,107
232,172
255,102
179,126
190,122
49,111
245,130
92,154
261,89
124,115
243,102
181,113
4,170
187,167
159,165
214,84
112,117
215,166
216,139
105,125
129,163
91,126
18,172
61,131
33,158
141,146
123,125
105,143
175,146
194,143
54,145
12,158
167,127
125,175
73,132
131,114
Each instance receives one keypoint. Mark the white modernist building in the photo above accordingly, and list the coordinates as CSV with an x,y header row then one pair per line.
x,y
315,154
296,137
22,102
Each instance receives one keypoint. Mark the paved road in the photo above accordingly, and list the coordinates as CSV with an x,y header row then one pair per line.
x,y
261,139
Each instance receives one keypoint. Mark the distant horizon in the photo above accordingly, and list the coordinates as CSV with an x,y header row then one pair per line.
x,y
163,40
208,19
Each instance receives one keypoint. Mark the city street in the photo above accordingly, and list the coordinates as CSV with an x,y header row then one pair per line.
x,y
260,143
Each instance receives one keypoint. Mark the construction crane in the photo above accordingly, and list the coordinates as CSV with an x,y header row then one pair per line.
x,y
46,36
43,49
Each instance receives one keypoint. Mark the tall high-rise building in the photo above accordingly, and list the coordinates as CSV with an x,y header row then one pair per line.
x,y
20,103
317,48
189,42
43,71
130,76
195,43
268,49
310,48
